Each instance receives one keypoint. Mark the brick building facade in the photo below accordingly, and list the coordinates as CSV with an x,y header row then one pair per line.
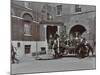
x,y
33,22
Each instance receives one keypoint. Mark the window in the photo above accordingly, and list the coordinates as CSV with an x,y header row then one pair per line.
x,y
27,29
77,8
27,24
59,9
18,44
27,49
12,11
49,17
26,4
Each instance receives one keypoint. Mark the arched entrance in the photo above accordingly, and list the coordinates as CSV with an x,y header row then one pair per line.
x,y
51,30
77,30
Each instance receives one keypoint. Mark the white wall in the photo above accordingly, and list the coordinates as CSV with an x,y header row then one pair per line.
x,y
21,49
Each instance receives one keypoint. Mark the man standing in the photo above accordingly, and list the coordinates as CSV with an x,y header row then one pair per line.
x,y
56,45
13,55
50,45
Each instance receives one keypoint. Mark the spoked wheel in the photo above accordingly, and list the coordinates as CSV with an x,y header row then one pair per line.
x,y
84,52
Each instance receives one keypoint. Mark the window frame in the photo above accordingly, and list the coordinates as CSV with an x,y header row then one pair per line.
x,y
29,33
78,8
58,10
27,49
27,5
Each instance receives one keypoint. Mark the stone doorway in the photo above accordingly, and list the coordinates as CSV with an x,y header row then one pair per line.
x,y
51,30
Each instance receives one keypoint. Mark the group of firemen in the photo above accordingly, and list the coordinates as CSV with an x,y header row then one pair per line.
x,y
78,46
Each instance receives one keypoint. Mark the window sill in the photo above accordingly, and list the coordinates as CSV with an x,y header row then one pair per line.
x,y
58,15
27,35
78,12
28,8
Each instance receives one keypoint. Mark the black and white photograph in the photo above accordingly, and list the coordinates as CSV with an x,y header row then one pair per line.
x,y
52,37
